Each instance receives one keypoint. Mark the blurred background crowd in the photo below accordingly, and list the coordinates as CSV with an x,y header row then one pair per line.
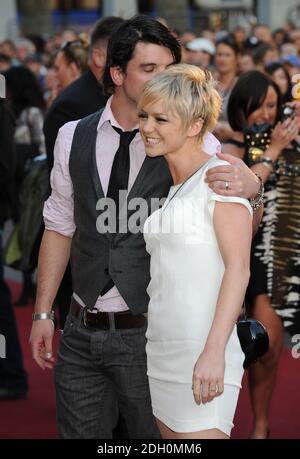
x,y
229,38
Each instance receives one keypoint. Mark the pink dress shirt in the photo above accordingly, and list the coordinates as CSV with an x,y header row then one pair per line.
x,y
58,209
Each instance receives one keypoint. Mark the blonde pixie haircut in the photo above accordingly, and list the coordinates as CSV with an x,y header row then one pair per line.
x,y
188,91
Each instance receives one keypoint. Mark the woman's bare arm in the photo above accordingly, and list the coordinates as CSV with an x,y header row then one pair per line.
x,y
233,229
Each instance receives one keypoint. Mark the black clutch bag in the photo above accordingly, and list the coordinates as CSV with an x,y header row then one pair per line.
x,y
254,340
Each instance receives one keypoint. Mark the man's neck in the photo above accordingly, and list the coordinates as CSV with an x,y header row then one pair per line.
x,y
124,111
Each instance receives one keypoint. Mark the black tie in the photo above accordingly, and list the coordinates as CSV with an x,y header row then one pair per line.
x,y
119,177
120,169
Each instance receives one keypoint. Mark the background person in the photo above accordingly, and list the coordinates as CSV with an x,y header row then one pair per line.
x,y
272,293
71,62
226,64
281,77
26,102
13,377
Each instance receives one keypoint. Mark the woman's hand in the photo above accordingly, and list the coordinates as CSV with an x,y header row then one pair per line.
x,y
296,106
284,133
208,376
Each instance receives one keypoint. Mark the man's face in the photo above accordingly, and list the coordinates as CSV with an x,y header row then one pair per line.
x,y
263,33
226,58
148,60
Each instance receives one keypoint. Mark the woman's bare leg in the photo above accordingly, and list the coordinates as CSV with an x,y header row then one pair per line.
x,y
168,434
262,375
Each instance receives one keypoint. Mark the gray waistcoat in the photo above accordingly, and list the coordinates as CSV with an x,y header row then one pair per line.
x,y
96,256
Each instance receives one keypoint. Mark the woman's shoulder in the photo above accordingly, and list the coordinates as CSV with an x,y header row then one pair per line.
x,y
213,162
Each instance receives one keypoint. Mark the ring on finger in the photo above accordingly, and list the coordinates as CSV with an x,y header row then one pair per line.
x,y
226,186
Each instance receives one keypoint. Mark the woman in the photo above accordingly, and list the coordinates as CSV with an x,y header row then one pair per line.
x,y
26,102
199,244
273,292
281,77
227,67
71,62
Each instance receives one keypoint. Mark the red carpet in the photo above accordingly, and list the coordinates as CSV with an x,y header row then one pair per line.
x,y
34,417
285,405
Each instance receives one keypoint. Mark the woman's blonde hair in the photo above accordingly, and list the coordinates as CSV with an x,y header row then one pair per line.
x,y
188,91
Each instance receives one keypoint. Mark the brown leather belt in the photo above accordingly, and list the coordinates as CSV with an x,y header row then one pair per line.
x,y
105,320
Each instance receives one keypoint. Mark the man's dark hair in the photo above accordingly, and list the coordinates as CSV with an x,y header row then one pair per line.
x,y
259,53
103,29
247,96
121,45
229,41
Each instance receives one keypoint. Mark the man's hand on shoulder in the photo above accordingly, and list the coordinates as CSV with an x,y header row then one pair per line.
x,y
233,179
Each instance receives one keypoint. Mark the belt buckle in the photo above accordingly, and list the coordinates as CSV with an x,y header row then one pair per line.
x,y
84,317
84,320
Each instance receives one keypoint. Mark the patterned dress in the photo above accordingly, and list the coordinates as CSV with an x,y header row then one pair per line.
x,y
275,263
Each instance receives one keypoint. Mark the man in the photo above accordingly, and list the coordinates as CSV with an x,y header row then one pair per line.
x,y
85,95
102,362
200,52
81,98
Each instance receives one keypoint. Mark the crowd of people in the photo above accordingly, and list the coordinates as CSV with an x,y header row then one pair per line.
x,y
200,121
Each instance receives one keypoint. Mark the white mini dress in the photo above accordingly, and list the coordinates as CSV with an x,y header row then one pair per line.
x,y
186,273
